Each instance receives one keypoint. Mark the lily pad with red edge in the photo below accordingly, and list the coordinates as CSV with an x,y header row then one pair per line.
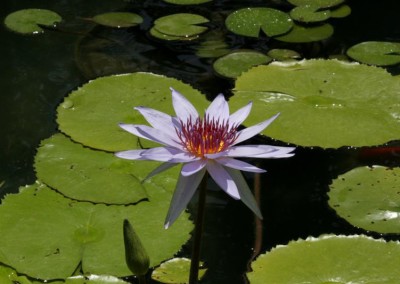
x,y
325,103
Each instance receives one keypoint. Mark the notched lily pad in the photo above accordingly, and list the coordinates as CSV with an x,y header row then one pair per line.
x,y
118,19
46,236
376,53
181,25
84,174
235,63
326,103
309,14
368,198
329,260
249,22
341,11
307,34
174,271
29,21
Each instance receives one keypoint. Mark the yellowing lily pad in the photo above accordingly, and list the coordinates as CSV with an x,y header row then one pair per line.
x,y
88,175
249,22
174,271
329,260
376,53
307,33
181,25
118,19
28,21
235,63
368,198
91,114
46,236
326,103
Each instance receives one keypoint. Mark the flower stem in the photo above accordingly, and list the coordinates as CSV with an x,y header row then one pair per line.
x,y
194,264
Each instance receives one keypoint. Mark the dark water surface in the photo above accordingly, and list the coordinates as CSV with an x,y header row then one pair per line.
x,y
37,72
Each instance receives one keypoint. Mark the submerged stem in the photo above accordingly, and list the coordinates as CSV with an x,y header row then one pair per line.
x,y
194,264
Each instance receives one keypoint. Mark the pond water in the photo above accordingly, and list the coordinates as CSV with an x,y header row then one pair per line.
x,y
39,71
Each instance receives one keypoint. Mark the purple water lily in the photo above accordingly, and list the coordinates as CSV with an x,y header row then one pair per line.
x,y
202,144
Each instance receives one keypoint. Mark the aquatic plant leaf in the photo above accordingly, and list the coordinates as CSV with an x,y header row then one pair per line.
x,y
329,259
325,103
235,63
118,19
283,54
85,174
249,22
181,25
46,236
155,33
174,271
309,14
341,11
91,114
10,276
368,198
28,21
187,2
317,3
376,53
93,279
212,45
307,34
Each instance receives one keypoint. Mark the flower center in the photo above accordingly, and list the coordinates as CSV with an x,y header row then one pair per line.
x,y
206,136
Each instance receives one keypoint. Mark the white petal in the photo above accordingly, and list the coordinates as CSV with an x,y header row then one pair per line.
x,y
239,165
218,109
240,115
193,167
249,150
168,154
251,131
160,169
131,154
245,193
183,108
184,191
223,179
280,152
151,134
159,120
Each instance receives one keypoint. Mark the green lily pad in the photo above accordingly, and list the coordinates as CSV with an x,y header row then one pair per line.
x,y
235,63
187,2
155,33
174,271
90,115
28,21
317,3
368,198
376,53
10,276
309,14
249,22
307,34
84,174
93,279
118,19
181,25
326,103
283,54
341,11
46,236
329,260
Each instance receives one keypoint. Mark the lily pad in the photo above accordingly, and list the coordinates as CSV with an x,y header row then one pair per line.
x,y
329,260
28,21
249,22
235,63
309,14
341,11
46,236
326,103
118,19
181,25
174,271
283,54
368,198
307,34
155,33
90,115
317,3
10,276
187,2
376,53
84,174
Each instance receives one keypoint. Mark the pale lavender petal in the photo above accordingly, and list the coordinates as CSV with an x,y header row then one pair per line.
x,y
193,167
168,154
131,154
240,115
251,131
239,165
150,133
222,178
244,191
218,109
184,191
183,108
280,152
160,120
245,151
160,169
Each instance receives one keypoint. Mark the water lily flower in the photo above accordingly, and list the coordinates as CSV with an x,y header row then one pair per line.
x,y
208,143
